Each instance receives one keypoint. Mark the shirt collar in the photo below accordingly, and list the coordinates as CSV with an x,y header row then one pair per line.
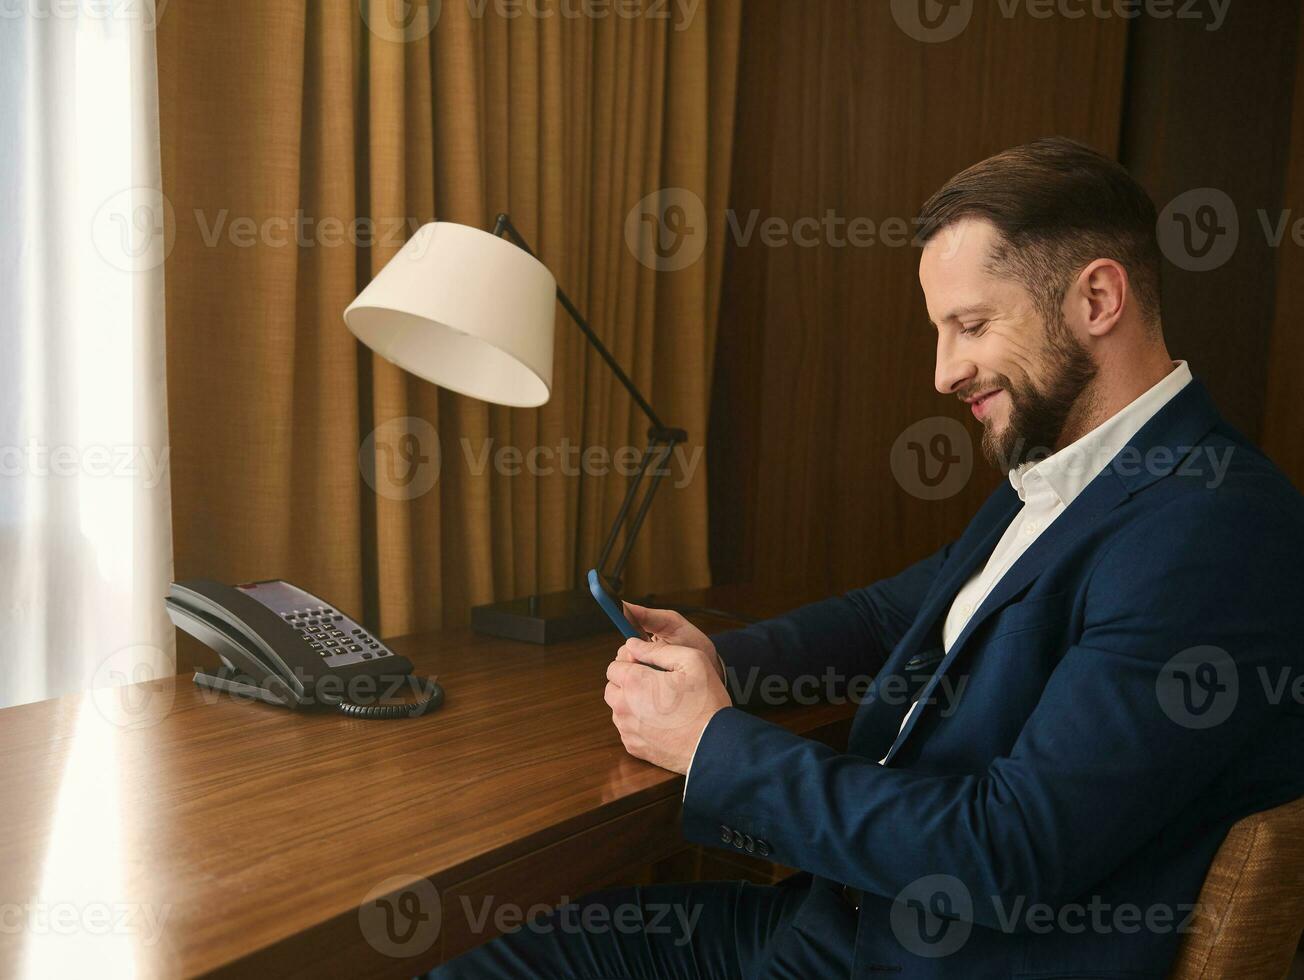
x,y
1067,472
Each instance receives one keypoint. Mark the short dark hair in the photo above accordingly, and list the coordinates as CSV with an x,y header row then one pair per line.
x,y
1058,205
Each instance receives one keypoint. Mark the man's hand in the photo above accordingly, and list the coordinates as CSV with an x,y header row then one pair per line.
x,y
672,628
661,714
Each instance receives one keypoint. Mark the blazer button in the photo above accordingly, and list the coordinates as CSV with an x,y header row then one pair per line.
x,y
749,843
762,848
929,658
737,839
726,834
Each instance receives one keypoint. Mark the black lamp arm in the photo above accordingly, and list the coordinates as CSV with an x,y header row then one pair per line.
x,y
662,439
504,225
657,450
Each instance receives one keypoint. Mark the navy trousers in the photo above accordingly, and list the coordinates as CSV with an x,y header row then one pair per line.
x,y
708,930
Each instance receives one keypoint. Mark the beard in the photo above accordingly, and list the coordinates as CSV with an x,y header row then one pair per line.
x,y
1039,414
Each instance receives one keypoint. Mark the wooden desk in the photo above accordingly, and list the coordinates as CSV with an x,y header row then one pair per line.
x,y
242,839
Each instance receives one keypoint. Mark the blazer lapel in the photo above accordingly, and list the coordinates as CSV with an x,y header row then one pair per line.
x,y
1178,426
1101,495
878,719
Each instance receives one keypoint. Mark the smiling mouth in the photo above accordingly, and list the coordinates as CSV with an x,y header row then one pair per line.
x,y
980,403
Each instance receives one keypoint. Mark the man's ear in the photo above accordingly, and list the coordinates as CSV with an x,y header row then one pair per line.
x,y
1102,293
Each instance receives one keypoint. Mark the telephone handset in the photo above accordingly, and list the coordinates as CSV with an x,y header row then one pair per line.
x,y
285,646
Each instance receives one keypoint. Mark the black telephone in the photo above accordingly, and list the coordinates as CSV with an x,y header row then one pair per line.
x,y
285,646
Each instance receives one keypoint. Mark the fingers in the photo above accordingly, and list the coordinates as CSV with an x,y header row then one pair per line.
x,y
620,717
615,698
637,657
621,672
665,656
654,620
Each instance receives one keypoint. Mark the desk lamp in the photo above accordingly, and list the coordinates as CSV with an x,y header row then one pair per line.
x,y
474,312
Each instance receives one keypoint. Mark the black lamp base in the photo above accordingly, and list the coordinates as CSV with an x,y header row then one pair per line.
x,y
548,618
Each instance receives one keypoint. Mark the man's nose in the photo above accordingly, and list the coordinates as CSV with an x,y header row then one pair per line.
x,y
952,372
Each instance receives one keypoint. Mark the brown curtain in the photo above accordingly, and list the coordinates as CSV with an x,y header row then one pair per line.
x,y
303,141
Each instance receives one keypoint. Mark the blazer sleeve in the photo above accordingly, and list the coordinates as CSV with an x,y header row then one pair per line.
x,y
1105,761
851,633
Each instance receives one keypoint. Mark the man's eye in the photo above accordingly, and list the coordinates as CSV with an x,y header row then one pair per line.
x,y
973,328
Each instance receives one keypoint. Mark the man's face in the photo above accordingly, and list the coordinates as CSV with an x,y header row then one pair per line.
x,y
1022,377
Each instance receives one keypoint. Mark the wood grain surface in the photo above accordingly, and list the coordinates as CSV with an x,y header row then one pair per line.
x,y
160,830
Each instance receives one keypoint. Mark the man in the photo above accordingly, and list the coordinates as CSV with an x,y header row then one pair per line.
x,y
1072,703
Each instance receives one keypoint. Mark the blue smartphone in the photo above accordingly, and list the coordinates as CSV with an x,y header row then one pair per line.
x,y
611,606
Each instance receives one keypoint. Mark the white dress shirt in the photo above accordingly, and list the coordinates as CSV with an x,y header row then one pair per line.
x,y
1047,488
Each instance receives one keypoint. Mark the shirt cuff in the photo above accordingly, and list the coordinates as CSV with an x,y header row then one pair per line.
x,y
704,727
689,771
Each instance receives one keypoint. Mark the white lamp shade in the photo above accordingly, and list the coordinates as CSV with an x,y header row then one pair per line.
x,y
466,310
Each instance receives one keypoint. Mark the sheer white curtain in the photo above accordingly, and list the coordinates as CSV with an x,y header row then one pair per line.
x,y
85,542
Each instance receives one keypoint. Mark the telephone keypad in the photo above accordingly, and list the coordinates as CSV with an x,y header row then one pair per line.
x,y
328,632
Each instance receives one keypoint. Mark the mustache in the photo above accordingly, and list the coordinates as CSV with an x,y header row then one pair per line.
x,y
998,381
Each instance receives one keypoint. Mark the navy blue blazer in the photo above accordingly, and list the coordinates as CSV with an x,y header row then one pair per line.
x,y
1127,691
